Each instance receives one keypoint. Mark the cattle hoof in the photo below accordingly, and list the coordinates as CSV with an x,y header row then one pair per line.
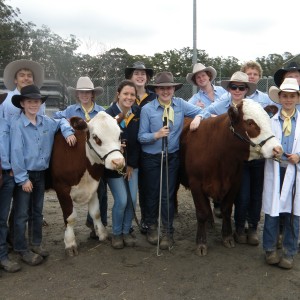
x,y
71,251
228,242
201,250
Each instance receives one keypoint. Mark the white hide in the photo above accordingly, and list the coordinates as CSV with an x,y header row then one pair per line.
x,y
253,110
70,241
106,128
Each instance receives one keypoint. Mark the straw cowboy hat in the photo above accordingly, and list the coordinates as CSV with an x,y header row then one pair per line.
x,y
12,68
289,85
190,77
279,74
27,92
240,77
138,66
164,79
85,84
2,97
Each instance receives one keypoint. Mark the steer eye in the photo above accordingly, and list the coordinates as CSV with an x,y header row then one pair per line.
x,y
97,140
249,122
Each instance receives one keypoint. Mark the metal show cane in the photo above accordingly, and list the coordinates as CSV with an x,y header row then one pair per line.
x,y
163,148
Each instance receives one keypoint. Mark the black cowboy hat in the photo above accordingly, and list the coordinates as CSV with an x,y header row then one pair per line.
x,y
28,92
138,66
279,74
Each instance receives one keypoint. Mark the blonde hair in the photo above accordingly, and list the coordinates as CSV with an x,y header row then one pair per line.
x,y
252,65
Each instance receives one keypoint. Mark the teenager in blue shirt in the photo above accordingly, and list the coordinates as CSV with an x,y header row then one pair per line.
x,y
32,138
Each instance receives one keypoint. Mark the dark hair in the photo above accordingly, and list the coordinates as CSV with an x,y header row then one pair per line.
x,y
147,75
209,74
24,69
122,84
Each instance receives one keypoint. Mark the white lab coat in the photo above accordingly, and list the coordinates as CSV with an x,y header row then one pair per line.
x,y
274,202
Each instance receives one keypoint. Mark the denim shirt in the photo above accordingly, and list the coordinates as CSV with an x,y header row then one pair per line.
x,y
151,122
4,145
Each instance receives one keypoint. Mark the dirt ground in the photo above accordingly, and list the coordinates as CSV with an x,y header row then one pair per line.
x,y
138,273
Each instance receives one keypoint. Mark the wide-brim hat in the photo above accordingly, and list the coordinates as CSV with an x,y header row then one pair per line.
x,y
12,68
240,77
138,66
2,97
27,92
190,77
85,84
289,85
279,74
164,79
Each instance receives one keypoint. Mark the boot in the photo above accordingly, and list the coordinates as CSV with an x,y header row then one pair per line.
x,y
117,241
272,257
240,236
252,237
128,239
152,235
166,242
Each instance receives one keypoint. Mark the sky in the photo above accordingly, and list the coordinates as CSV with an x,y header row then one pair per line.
x,y
245,30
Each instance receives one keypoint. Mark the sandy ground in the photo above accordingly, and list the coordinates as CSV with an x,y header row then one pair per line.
x,y
139,273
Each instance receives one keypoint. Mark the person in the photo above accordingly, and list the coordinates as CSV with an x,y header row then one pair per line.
x,y
281,192
6,192
124,187
32,137
141,76
291,71
152,133
86,108
208,93
16,75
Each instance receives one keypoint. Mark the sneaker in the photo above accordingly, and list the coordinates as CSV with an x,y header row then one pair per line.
x,y
31,258
117,241
272,257
252,237
152,235
166,242
240,236
9,265
128,239
286,262
40,251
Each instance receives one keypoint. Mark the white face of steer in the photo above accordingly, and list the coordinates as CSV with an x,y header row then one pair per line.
x,y
104,136
258,126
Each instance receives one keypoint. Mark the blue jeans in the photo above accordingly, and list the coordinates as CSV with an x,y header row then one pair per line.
x,y
102,196
249,200
290,233
24,203
151,164
122,210
6,193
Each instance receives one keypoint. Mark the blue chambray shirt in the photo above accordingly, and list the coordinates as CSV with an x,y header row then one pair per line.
x,y
151,122
10,112
4,145
31,145
75,110
203,97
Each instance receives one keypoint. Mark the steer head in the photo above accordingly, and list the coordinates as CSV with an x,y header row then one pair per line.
x,y
256,127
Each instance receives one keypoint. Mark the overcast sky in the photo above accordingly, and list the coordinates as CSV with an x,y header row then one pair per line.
x,y
243,29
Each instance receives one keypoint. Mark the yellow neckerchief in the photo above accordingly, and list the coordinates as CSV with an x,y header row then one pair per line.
x,y
287,123
139,101
87,111
168,111
128,117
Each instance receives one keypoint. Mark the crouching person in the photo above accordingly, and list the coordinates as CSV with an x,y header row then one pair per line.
x,y
282,181
32,137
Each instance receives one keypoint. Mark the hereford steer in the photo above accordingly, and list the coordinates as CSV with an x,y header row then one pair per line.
x,y
76,171
212,160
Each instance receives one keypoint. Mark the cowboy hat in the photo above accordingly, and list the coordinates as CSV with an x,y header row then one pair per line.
x,y
289,85
190,77
28,92
12,68
85,84
279,74
240,77
164,79
138,66
2,97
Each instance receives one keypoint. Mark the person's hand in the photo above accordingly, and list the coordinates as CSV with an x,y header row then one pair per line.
x,y
128,174
195,123
71,140
163,132
293,158
200,104
27,186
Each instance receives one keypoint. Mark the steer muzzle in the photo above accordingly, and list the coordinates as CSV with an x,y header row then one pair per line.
x,y
118,163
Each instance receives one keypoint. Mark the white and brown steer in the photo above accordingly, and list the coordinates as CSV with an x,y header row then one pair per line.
x,y
76,171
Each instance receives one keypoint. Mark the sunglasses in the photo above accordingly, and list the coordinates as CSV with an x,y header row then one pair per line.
x,y
235,87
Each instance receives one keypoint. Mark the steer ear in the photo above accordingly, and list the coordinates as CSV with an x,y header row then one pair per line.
x,y
271,110
233,114
78,123
119,118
